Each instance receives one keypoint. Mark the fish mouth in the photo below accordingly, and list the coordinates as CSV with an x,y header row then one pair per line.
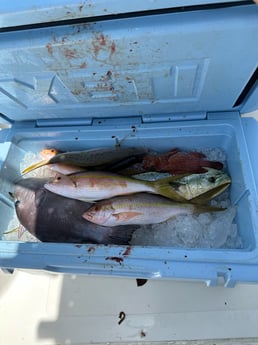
x,y
91,217
221,188
226,182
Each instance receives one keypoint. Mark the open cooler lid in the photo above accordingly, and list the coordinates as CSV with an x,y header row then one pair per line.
x,y
16,13
173,62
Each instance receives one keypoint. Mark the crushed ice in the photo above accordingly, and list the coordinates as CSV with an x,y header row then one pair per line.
x,y
208,230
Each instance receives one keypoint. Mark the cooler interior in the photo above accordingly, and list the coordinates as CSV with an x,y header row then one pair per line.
x,y
188,135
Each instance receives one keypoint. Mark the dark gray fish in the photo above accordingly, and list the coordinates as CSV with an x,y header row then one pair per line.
x,y
53,218
99,157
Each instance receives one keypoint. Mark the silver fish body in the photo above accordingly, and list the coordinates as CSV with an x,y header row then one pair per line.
x,y
141,208
95,185
64,169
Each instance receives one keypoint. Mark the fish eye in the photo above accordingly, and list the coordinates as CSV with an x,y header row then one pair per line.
x,y
58,178
212,179
17,202
97,208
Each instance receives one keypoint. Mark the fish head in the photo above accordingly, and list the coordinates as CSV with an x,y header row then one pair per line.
x,y
26,203
215,178
211,184
98,213
202,187
60,183
23,198
48,153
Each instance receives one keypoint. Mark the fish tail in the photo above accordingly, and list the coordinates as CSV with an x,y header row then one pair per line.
x,y
11,231
163,187
206,208
20,229
35,166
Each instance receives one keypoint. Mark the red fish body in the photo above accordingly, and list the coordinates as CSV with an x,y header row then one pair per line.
x,y
177,162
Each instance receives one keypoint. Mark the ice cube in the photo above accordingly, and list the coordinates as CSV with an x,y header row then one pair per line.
x,y
214,154
188,230
219,229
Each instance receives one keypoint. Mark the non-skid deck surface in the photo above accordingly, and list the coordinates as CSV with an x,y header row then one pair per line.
x,y
42,308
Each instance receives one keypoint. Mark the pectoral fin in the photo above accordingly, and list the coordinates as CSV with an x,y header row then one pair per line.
x,y
123,216
163,187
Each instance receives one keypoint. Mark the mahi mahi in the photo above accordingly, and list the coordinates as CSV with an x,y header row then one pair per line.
x,y
193,185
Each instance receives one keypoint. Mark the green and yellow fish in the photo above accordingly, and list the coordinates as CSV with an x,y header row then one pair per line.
x,y
211,183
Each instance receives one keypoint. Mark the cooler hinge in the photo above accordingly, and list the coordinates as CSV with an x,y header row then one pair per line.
x,y
174,117
63,122
223,115
99,122
118,121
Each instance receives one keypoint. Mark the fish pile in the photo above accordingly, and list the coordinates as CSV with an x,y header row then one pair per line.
x,y
104,195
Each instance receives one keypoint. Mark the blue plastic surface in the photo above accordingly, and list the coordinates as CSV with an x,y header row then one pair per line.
x,y
14,13
175,78
222,130
163,64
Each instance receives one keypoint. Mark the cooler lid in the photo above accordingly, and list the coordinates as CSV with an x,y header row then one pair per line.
x,y
177,61
16,13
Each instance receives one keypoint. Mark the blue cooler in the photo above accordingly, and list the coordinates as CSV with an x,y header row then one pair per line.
x,y
81,75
